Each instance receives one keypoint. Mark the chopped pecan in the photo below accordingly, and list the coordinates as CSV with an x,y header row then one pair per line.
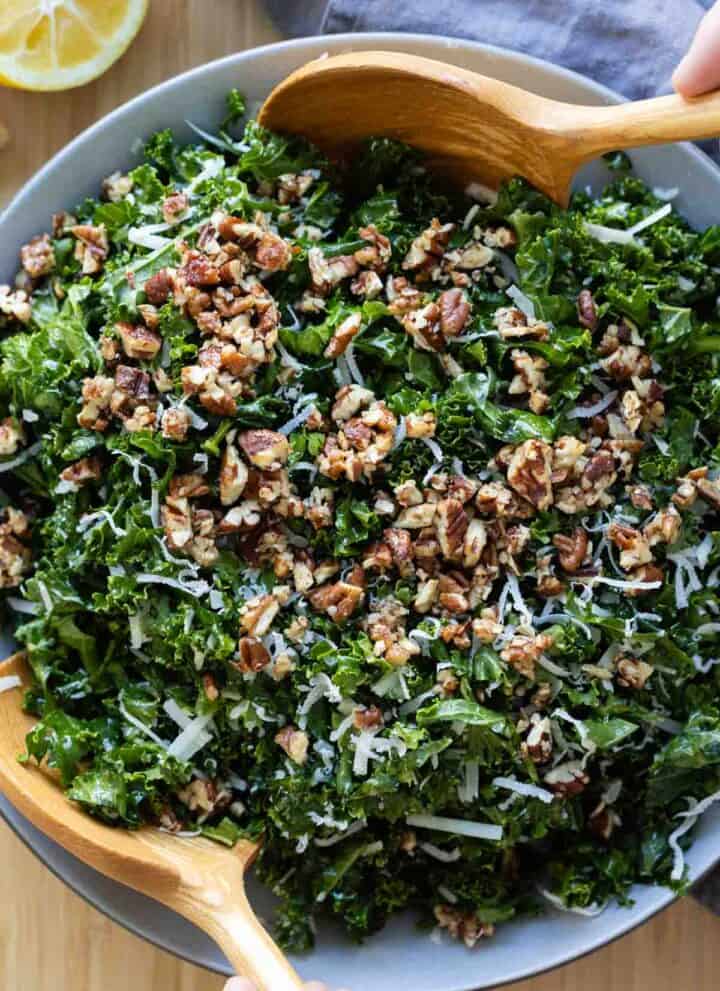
x,y
632,673
376,253
454,312
367,717
15,303
175,423
529,472
428,246
529,378
258,613
453,591
349,400
634,547
538,744
462,925
254,655
233,476
587,310
138,341
513,323
420,425
400,546
294,742
158,287
343,335
82,471
11,436
339,600
664,527
92,247
38,256
572,549
174,206
567,779
265,449
523,650
451,525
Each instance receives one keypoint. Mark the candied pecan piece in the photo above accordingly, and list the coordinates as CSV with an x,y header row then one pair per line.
x,y
343,335
572,549
158,287
451,525
529,472
175,423
400,545
92,247
138,341
272,253
294,742
538,744
265,449
254,655
174,206
38,256
233,476
339,600
454,312
198,271
522,652
632,673
82,471
462,925
567,779
587,310
132,382
634,547
367,717
423,325
349,400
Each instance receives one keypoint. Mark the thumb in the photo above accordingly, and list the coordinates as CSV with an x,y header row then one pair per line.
x,y
239,984
699,71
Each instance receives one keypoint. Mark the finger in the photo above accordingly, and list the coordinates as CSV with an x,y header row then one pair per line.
x,y
315,986
239,984
699,71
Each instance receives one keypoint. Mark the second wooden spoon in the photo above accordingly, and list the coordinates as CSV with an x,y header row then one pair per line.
x,y
195,877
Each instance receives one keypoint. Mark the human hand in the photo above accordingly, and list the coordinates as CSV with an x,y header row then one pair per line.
x,y
699,71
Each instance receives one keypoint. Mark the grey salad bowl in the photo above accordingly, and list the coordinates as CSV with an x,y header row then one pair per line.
x,y
401,958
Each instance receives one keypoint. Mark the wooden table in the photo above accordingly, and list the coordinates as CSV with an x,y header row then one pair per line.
x,y
50,940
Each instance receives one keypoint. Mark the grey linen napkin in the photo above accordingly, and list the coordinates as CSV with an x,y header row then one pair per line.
x,y
629,45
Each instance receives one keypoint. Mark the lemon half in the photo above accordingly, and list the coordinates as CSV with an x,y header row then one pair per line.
x,y
58,44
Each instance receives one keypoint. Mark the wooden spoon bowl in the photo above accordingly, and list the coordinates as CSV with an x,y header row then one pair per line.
x,y
473,128
195,877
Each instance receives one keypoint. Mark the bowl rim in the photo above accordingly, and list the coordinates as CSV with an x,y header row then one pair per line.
x,y
358,41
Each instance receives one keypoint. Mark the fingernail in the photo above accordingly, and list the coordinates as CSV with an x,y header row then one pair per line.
x,y
239,984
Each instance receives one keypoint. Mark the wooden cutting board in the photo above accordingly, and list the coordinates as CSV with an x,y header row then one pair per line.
x,y
50,940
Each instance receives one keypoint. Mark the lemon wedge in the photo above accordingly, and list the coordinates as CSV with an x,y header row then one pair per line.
x,y
58,44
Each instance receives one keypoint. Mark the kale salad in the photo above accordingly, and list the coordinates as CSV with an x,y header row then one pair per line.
x,y
375,519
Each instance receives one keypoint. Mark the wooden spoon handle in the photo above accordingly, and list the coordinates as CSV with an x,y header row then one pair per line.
x,y
595,130
246,944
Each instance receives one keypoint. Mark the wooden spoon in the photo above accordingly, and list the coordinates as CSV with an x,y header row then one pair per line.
x,y
472,127
195,877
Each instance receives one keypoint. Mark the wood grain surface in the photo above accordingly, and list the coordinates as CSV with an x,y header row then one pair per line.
x,y
50,940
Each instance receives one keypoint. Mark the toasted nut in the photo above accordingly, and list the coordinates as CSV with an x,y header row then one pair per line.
x,y
294,742
632,673
254,655
572,549
265,449
233,476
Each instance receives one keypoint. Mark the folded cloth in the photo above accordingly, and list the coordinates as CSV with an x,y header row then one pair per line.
x,y
629,45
